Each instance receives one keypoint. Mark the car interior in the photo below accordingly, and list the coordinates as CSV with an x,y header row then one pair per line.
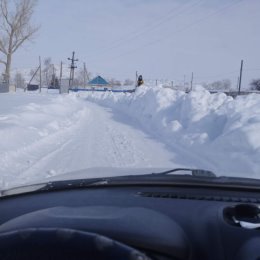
x,y
157,222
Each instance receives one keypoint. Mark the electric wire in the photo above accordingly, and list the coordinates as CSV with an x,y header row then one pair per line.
x,y
218,75
151,27
181,30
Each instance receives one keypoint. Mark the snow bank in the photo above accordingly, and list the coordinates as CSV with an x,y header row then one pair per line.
x,y
44,135
223,132
29,127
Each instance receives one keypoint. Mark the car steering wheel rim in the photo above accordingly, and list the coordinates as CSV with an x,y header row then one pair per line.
x,y
60,243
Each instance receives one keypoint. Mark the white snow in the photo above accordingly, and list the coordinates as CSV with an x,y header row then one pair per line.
x,y
45,135
210,131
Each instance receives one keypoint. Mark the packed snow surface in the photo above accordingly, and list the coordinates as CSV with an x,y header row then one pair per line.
x,y
45,135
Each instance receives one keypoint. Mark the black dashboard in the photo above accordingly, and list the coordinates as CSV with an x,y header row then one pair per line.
x,y
163,222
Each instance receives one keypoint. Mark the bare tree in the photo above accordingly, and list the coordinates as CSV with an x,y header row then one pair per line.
x,y
115,82
47,71
15,29
36,76
255,84
19,80
82,77
218,85
129,82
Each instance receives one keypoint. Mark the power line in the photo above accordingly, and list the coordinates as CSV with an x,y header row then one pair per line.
x,y
217,76
72,68
151,27
183,29
252,69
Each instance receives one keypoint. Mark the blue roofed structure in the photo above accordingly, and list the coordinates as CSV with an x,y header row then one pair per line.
x,y
98,81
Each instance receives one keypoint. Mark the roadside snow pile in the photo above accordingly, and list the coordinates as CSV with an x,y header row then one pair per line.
x,y
29,127
221,130
44,135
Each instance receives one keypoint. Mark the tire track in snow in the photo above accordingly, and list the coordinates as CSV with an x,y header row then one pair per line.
x,y
30,158
97,140
182,155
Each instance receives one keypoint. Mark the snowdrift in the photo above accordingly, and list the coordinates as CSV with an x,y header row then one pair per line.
x,y
44,135
223,132
31,127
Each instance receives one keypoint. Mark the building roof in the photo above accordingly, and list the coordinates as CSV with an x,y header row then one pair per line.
x,y
98,81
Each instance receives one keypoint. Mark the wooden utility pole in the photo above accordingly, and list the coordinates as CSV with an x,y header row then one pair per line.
x,y
240,77
84,74
60,75
136,78
46,78
237,83
72,68
40,65
33,75
191,82
53,77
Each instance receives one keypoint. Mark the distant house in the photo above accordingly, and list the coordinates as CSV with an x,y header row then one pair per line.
x,y
32,87
98,83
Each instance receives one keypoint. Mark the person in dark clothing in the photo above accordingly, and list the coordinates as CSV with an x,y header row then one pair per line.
x,y
140,80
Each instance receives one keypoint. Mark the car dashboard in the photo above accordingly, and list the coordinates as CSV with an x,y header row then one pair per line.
x,y
163,222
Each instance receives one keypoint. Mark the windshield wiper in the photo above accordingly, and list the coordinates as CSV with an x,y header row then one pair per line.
x,y
158,177
174,177
52,186
194,172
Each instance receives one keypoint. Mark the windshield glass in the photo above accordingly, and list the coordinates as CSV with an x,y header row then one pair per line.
x,y
128,87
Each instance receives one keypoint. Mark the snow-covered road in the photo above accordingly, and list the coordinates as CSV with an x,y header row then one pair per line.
x,y
91,136
99,138
46,135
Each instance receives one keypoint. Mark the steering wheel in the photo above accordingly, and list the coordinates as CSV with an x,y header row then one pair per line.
x,y
65,244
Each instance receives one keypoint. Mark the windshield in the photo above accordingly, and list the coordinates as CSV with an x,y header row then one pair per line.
x,y
128,87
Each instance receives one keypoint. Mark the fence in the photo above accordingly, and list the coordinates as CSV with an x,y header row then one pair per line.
x,y
4,88
236,93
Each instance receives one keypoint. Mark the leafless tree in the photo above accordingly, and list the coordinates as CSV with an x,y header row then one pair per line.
x,y
82,77
47,71
15,29
115,82
223,85
36,76
129,82
19,80
255,84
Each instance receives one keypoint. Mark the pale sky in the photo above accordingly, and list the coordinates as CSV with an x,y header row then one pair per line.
x,y
161,39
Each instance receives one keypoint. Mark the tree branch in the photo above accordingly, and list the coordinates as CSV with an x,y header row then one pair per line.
x,y
15,27
4,27
20,41
4,11
2,47
3,62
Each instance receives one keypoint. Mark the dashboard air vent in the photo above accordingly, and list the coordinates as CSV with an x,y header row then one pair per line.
x,y
171,195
